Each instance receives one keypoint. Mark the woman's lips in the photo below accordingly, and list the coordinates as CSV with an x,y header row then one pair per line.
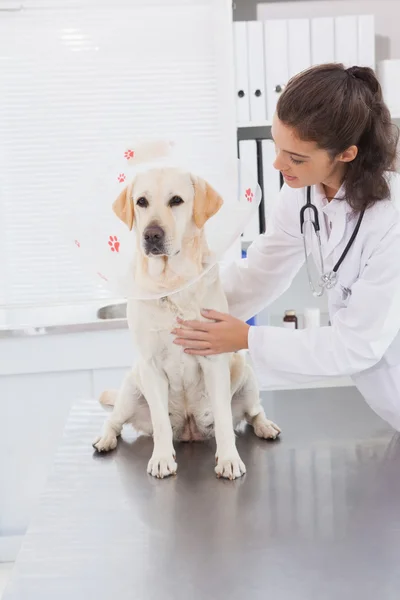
x,y
288,177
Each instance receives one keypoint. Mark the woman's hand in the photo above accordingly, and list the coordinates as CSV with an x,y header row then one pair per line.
x,y
222,334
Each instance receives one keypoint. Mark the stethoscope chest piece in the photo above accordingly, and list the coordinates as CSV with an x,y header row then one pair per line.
x,y
329,280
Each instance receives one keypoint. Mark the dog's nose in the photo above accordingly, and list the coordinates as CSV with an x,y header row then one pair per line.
x,y
154,234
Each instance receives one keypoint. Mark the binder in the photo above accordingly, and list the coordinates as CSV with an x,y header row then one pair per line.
x,y
253,320
389,76
271,178
276,61
366,41
241,72
299,46
260,173
255,48
346,40
322,40
248,154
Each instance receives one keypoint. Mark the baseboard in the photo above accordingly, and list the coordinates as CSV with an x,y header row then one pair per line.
x,y
9,547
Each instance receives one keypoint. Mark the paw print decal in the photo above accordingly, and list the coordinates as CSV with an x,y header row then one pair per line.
x,y
113,243
121,177
129,154
249,195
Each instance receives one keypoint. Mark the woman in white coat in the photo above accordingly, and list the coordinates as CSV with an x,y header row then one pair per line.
x,y
333,134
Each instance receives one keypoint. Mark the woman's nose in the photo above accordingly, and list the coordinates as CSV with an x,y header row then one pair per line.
x,y
279,163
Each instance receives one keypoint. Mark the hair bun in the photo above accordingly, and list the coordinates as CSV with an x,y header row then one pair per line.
x,y
367,75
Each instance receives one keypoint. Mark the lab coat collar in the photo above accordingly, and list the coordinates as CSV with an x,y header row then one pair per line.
x,y
338,212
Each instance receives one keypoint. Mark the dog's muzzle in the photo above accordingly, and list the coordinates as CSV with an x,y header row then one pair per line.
x,y
154,239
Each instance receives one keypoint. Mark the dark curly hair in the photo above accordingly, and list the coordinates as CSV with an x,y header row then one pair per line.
x,y
338,108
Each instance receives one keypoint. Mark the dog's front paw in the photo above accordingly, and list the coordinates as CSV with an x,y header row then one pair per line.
x,y
106,443
162,465
230,467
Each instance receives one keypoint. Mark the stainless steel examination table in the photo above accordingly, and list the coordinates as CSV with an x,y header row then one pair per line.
x,y
316,517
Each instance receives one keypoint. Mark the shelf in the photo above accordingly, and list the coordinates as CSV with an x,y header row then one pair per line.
x,y
253,124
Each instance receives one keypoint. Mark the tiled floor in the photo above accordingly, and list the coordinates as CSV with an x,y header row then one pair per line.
x,y
5,572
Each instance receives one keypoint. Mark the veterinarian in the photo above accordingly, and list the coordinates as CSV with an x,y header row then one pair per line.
x,y
336,149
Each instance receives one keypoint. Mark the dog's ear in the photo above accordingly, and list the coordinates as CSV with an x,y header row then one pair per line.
x,y
123,206
207,201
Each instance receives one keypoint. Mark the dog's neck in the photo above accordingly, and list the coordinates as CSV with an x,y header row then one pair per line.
x,y
160,274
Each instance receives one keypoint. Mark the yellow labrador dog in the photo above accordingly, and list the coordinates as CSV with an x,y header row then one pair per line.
x,y
169,394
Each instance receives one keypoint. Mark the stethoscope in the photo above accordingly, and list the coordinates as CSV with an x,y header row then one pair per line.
x,y
327,279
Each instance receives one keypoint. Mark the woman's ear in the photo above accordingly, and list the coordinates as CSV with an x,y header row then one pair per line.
x,y
123,206
349,154
207,201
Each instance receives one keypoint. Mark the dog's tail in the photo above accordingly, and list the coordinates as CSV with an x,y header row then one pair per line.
x,y
108,397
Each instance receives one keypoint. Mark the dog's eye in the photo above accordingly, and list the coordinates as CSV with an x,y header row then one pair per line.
x,y
176,201
142,202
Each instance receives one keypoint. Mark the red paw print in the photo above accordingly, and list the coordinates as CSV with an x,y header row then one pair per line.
x,y
249,195
129,154
77,243
121,177
113,243
102,276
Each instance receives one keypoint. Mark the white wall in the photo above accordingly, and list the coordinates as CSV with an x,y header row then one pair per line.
x,y
387,17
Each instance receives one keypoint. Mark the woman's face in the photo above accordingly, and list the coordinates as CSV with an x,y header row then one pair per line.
x,y
303,163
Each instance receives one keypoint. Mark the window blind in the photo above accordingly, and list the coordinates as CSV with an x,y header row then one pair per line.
x,y
75,80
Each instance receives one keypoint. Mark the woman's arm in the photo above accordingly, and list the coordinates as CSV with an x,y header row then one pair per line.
x,y
272,260
360,334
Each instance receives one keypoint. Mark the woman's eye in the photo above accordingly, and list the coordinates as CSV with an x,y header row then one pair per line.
x,y
142,202
176,201
296,161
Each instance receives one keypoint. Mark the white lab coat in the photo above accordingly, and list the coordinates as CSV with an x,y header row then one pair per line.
x,y
364,307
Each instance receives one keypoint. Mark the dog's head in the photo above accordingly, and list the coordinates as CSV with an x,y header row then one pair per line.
x,y
166,206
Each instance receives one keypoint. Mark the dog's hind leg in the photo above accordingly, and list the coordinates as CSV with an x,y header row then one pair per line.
x,y
125,403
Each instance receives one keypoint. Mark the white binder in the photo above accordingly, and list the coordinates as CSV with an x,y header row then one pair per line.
x,y
299,44
346,40
255,45
366,41
389,76
322,40
248,154
276,61
241,72
271,179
